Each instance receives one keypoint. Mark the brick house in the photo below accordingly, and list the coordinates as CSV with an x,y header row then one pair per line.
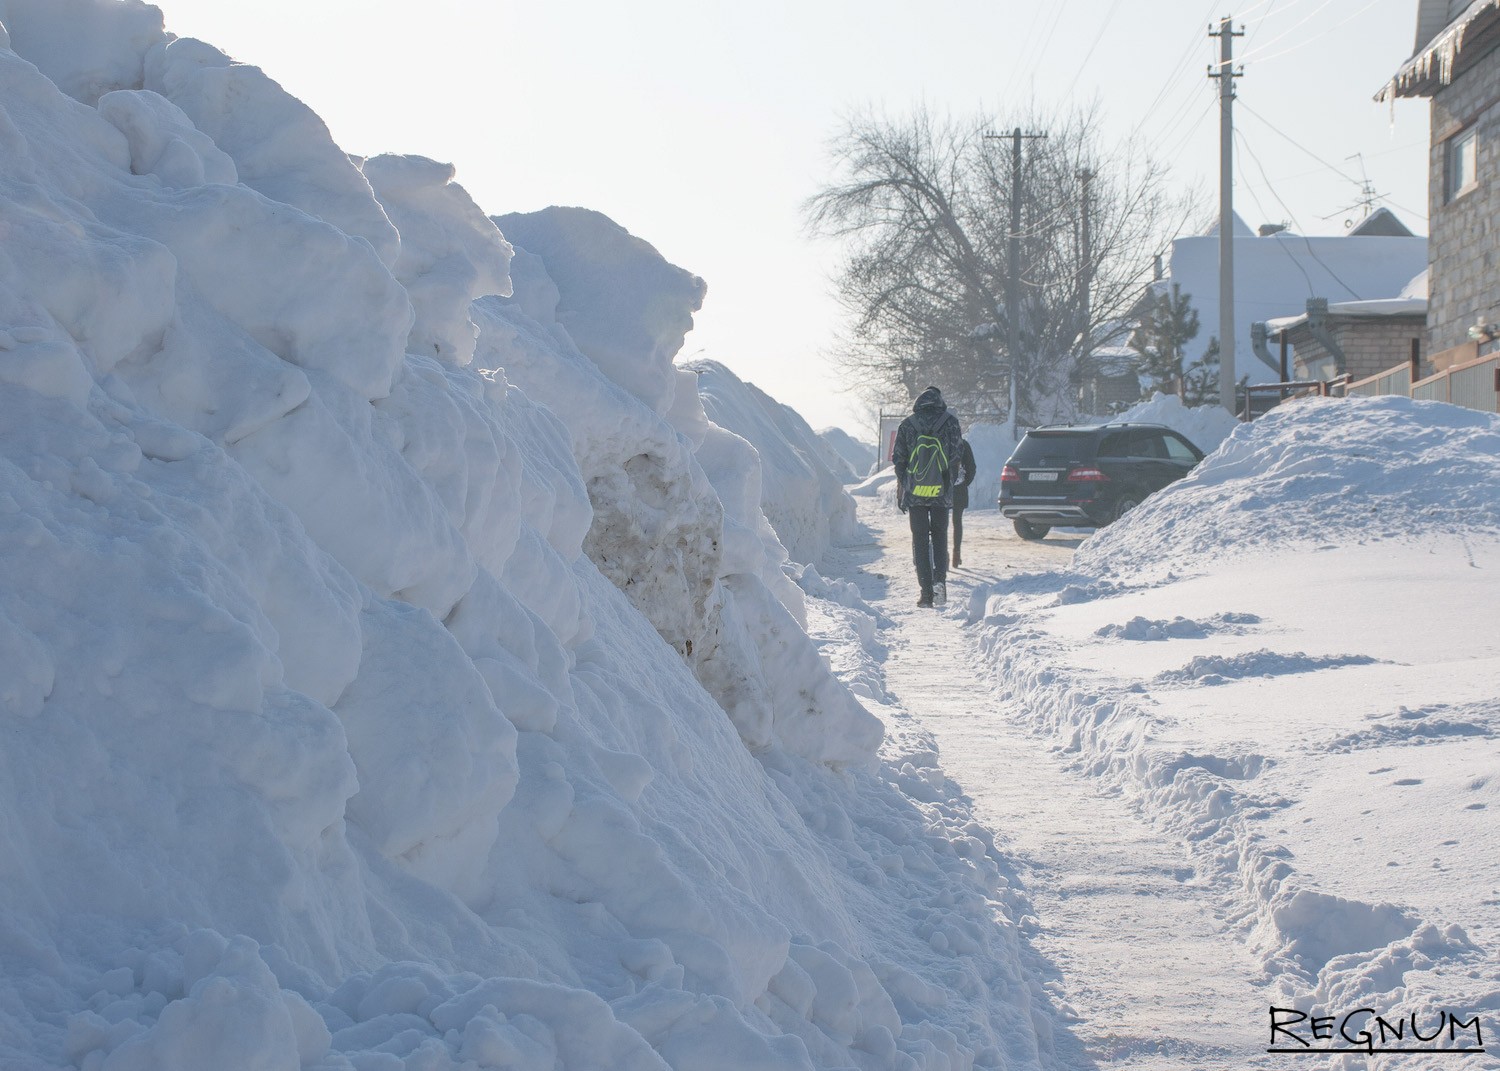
x,y
1360,338
1456,66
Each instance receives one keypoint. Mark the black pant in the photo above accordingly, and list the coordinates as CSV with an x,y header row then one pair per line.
x,y
929,545
958,531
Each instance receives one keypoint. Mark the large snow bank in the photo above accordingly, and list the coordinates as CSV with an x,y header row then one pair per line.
x,y
340,728
678,524
1289,660
858,455
801,488
1205,426
1372,468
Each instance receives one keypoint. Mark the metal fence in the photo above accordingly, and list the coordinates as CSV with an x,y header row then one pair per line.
x,y
1392,381
1475,385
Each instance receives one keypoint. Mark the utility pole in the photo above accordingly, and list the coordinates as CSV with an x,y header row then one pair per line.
x,y
1226,74
1013,267
1086,250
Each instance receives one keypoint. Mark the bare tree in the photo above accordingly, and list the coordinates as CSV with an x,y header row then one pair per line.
x,y
924,207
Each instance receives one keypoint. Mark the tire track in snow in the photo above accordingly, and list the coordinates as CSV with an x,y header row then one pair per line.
x,y
1144,962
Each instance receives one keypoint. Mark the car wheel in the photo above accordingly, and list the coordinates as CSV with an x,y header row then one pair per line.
x,y
1125,504
1026,530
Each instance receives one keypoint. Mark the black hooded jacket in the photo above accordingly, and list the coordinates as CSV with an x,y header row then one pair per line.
x,y
929,416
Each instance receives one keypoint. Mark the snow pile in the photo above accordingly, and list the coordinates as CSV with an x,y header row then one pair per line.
x,y
677,500
802,486
1205,426
992,446
338,735
1317,717
1375,468
858,455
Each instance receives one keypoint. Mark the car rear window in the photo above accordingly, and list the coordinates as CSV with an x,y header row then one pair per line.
x,y
1041,447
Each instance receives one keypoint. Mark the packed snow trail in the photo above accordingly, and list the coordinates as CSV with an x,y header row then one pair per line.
x,y
1144,962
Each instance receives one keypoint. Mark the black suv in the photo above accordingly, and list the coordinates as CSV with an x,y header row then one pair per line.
x,y
1084,476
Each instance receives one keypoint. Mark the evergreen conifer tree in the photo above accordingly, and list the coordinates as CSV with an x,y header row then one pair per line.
x,y
1168,324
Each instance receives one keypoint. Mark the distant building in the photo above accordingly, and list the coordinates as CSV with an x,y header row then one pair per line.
x,y
1455,65
1109,377
1357,338
1277,271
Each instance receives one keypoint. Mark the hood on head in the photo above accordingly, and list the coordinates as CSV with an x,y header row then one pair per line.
x,y
930,400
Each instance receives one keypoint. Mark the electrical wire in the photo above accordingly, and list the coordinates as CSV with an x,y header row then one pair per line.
x,y
1015,74
1103,25
1305,241
1259,23
1266,215
1273,127
1324,6
1251,57
1172,77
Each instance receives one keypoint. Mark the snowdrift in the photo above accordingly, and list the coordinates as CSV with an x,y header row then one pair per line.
x,y
802,486
1366,469
397,667
859,456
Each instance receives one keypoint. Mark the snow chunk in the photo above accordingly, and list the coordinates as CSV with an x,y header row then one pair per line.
x,y
625,306
86,47
451,253
164,142
280,147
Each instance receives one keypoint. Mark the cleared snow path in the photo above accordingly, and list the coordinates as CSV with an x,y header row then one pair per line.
x,y
1144,963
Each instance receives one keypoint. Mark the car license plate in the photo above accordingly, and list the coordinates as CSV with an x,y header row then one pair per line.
x,y
1052,476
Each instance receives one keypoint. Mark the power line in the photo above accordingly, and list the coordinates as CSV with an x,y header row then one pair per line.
x,y
1330,167
1293,28
1172,76
1272,126
1314,39
1103,25
1305,241
1265,215
1015,74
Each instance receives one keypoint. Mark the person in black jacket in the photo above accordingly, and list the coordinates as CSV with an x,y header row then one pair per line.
x,y
925,456
961,497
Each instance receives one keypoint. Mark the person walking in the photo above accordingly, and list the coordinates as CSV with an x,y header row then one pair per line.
x,y
966,472
925,456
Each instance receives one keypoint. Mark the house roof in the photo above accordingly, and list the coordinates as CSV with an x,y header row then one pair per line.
x,y
1378,309
1451,37
1381,223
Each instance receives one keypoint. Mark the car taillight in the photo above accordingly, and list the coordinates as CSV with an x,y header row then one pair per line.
x,y
1086,474
1009,474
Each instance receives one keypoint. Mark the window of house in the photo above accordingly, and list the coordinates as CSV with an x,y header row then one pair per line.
x,y
1463,170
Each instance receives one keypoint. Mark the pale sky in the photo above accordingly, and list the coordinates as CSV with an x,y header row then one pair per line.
x,y
701,126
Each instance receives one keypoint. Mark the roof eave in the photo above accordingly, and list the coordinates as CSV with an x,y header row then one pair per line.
x,y
1450,53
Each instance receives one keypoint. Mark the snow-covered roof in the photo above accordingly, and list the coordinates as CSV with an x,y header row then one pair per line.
x,y
1381,223
1468,34
1380,308
1240,228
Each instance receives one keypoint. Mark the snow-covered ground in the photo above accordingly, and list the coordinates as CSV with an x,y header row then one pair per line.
x,y
1290,663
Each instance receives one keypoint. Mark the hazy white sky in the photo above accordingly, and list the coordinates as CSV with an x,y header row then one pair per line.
x,y
701,125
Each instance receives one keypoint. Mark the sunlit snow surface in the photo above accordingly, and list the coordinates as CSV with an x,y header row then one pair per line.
x,y
1291,660
399,667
